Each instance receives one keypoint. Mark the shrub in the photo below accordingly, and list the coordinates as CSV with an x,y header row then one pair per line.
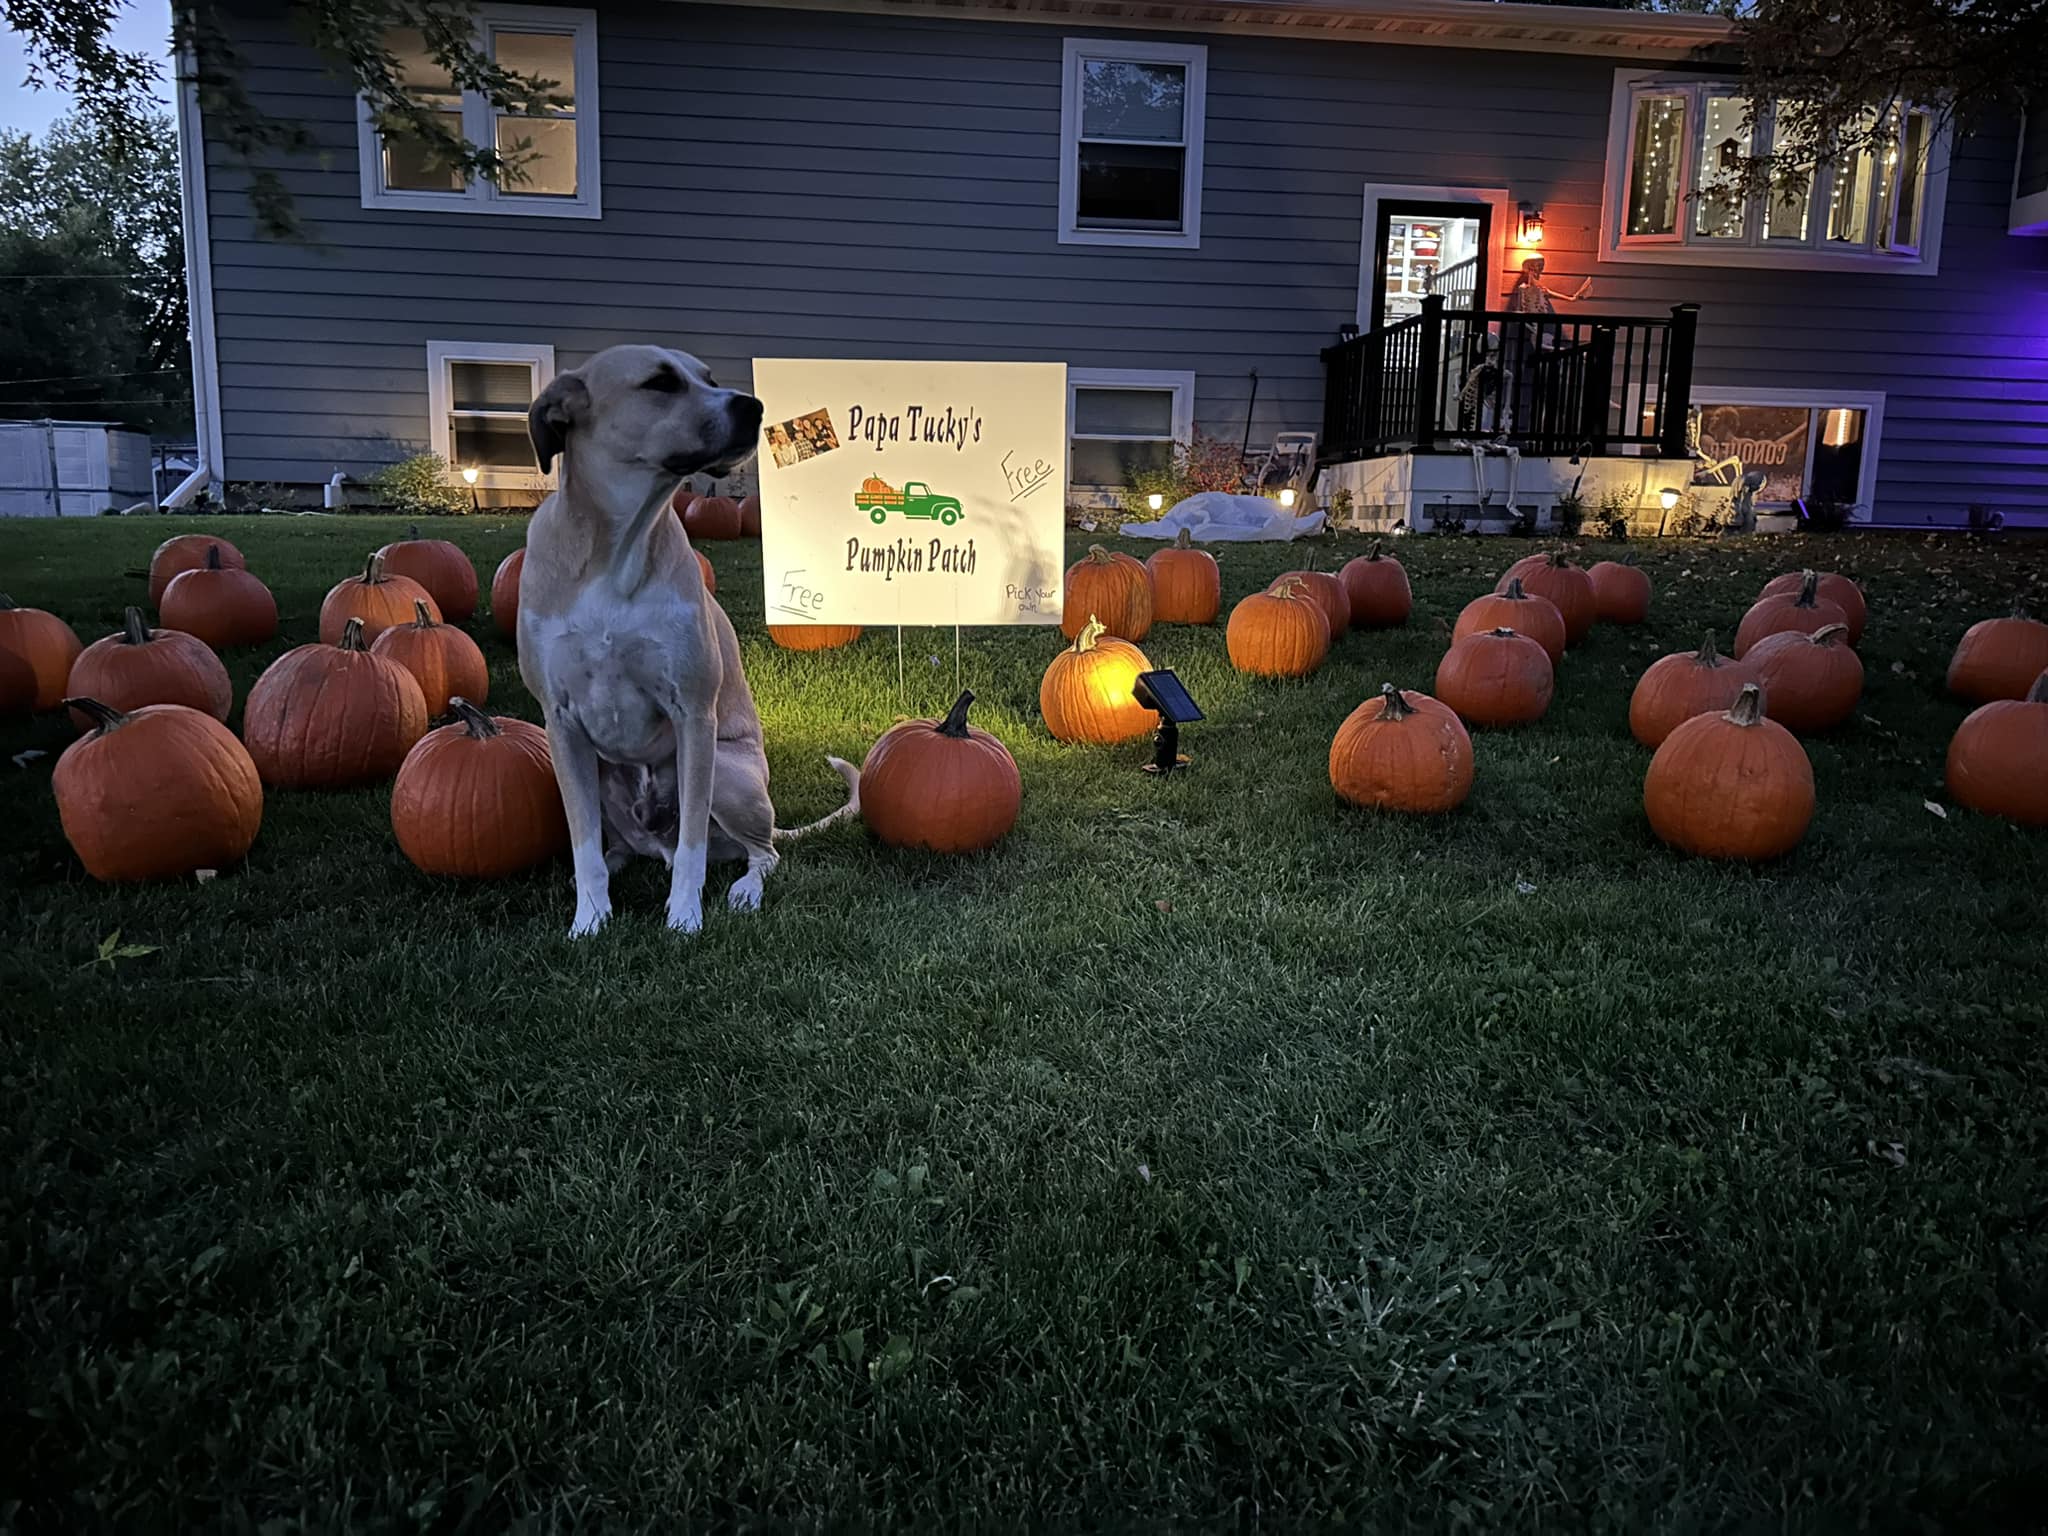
x,y
420,486
1204,463
1615,506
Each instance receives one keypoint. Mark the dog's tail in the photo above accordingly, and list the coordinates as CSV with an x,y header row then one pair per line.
x,y
846,812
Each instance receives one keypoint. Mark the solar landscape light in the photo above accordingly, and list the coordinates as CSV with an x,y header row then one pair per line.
x,y
1167,695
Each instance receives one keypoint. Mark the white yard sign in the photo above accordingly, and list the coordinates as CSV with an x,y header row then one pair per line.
x,y
912,493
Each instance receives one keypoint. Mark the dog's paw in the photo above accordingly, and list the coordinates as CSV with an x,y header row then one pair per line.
x,y
686,917
588,920
745,895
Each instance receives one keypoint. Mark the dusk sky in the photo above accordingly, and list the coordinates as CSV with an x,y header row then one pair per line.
x,y
144,27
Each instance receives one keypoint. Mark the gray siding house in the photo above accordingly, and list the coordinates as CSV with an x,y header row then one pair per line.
x,y
1187,202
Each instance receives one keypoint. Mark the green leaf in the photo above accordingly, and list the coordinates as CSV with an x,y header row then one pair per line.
x,y
893,1361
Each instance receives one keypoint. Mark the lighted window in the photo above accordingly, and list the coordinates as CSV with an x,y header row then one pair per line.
x,y
1656,166
551,153
1131,143
1680,189
1811,446
478,394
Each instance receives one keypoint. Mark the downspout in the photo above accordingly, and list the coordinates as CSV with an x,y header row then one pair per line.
x,y
198,287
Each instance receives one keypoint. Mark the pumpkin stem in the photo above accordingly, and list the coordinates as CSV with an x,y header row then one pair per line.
x,y
955,723
1809,590
1559,559
421,619
2038,694
1098,555
1373,553
1514,592
1183,540
1393,706
1706,655
1289,586
6,602
373,570
104,717
481,726
1748,707
1091,632
1828,634
352,636
134,631
213,557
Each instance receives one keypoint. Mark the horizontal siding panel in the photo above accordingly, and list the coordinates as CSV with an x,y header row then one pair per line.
x,y
847,186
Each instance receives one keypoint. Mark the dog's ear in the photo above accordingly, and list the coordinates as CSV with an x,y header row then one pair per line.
x,y
560,406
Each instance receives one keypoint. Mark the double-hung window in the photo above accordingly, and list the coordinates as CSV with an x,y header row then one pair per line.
x,y
478,394
1675,194
1131,143
553,151
1123,422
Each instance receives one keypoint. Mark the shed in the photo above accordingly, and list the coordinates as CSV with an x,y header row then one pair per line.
x,y
71,468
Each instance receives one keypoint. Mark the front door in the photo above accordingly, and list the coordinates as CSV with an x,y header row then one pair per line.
x,y
1420,248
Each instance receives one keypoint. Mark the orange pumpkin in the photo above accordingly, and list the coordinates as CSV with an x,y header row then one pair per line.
x,y
813,637
1187,588
1329,592
1513,608
155,793
1679,686
221,604
1788,613
1568,588
685,494
1996,659
1115,589
376,597
704,569
443,660
1281,632
712,517
1810,682
1998,760
1496,677
1734,785
750,517
187,552
943,785
478,799
45,642
332,716
1377,588
1621,592
505,593
139,665
1837,589
1402,752
17,685
439,566
1085,694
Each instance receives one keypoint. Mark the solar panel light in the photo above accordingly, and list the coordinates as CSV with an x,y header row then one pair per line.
x,y
1166,694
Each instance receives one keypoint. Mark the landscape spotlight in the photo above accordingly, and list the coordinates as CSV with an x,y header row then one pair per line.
x,y
1164,693
469,479
1287,496
1155,501
1667,498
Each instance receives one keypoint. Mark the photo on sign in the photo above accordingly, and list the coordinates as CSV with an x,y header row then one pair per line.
x,y
1772,438
800,438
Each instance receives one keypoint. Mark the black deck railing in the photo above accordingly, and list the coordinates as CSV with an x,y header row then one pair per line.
x,y
1543,383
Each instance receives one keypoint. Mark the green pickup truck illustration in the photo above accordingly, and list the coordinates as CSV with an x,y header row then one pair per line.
x,y
878,499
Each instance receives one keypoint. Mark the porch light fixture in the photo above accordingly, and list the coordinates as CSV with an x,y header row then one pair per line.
x,y
1155,501
1667,498
1287,496
1530,229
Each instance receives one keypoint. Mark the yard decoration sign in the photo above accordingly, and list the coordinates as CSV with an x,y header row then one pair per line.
x,y
912,493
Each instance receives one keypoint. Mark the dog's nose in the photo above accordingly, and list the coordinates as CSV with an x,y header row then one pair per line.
x,y
746,413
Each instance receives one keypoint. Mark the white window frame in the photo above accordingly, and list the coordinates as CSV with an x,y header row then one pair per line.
x,y
479,127
441,401
1181,384
1687,249
1817,402
1194,59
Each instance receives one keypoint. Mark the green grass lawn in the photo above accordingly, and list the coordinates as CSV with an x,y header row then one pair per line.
x,y
1209,1154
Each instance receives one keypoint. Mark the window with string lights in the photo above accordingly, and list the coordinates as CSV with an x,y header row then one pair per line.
x,y
1675,192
